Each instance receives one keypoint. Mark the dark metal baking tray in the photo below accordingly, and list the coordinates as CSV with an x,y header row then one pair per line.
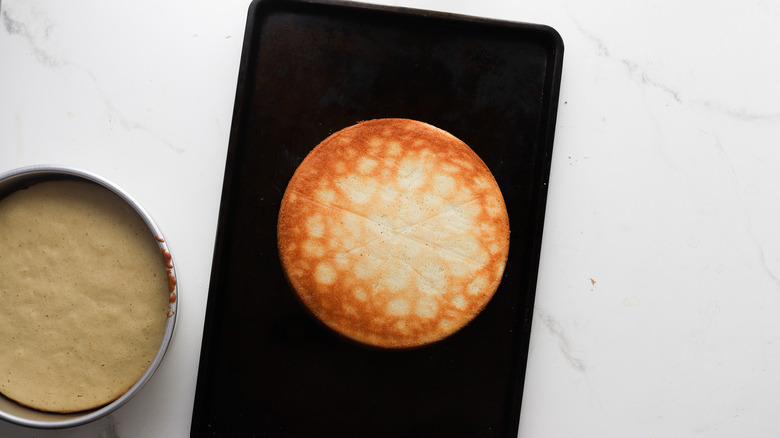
x,y
308,69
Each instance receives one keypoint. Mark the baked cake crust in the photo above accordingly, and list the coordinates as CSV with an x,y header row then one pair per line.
x,y
393,233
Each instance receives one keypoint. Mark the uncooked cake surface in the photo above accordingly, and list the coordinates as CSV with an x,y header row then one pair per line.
x,y
393,233
83,296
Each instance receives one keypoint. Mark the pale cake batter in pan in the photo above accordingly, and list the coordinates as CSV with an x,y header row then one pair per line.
x,y
83,296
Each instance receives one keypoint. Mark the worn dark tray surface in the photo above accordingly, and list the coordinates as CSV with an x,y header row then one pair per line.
x,y
309,69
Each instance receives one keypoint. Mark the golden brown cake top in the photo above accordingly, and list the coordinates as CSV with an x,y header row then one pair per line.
x,y
394,233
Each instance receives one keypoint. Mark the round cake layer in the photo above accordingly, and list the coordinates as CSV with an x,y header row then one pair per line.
x,y
83,296
393,233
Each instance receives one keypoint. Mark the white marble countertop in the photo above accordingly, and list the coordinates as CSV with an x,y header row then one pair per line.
x,y
658,302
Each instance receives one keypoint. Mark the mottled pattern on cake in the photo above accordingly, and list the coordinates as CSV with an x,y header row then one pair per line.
x,y
394,233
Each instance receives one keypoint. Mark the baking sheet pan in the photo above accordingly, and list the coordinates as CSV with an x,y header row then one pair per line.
x,y
308,69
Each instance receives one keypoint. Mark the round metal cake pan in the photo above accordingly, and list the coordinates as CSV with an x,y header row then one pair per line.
x,y
13,412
